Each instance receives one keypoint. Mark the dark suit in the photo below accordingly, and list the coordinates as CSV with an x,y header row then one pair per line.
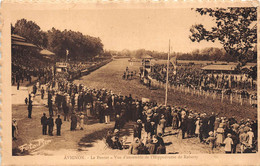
x,y
30,110
44,125
58,123
50,125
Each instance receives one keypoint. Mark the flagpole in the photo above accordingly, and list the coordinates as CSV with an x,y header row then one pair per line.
x,y
166,88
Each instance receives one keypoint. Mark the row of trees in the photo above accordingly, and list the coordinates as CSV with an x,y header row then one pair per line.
x,y
81,47
235,28
206,54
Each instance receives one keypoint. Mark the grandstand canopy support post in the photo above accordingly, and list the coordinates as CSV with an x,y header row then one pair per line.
x,y
167,76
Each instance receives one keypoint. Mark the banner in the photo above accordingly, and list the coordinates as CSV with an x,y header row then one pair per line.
x,y
144,100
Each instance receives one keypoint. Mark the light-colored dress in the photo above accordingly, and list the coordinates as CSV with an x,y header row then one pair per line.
x,y
220,136
81,121
197,129
88,110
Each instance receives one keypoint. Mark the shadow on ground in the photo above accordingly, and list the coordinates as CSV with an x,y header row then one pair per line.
x,y
89,139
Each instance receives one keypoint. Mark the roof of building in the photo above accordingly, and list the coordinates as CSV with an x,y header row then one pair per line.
x,y
17,37
46,52
146,56
220,67
20,43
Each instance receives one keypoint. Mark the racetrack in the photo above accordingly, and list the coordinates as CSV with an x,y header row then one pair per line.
x,y
110,77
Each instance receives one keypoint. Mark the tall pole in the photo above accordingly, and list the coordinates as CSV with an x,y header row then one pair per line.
x,y
167,76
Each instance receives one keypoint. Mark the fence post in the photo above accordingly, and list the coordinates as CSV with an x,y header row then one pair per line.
x,y
231,97
222,95
241,100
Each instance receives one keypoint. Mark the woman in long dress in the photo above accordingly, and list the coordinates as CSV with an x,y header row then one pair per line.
x,y
197,129
81,117
88,110
220,135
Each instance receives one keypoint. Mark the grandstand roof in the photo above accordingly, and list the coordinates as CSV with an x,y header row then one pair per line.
x,y
46,52
220,67
146,57
20,41
17,37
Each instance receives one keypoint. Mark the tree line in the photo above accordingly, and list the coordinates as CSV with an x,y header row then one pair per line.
x,y
235,28
206,54
80,46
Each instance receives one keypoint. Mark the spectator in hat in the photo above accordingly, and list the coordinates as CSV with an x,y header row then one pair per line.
x,y
138,129
228,143
73,124
44,122
197,129
50,125
81,123
251,137
244,138
150,145
107,114
148,127
14,129
211,140
184,126
161,125
133,149
220,135
58,123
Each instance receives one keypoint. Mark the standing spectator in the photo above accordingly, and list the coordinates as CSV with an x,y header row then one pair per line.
x,y
184,126
14,130
107,114
58,123
73,124
50,125
133,149
235,138
161,125
18,84
88,110
34,89
117,122
228,143
30,110
44,122
220,135
26,100
244,137
197,129
65,111
211,139
50,108
139,128
148,128
81,124
42,93
175,120
251,138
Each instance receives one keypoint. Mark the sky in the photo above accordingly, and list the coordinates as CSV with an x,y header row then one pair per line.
x,y
131,29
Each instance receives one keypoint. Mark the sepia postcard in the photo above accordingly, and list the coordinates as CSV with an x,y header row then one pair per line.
x,y
129,82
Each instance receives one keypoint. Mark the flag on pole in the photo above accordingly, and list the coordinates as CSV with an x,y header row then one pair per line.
x,y
173,60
